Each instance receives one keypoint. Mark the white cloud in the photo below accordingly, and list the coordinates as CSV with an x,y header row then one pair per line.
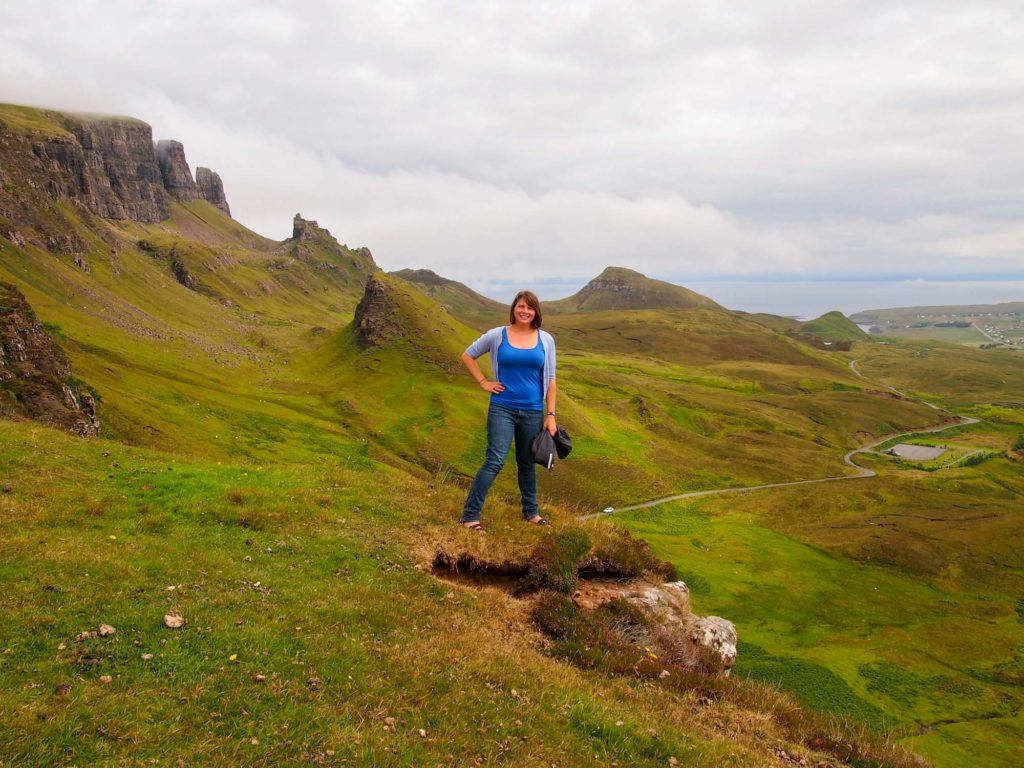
x,y
532,141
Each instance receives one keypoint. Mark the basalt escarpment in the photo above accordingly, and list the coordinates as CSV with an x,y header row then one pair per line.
x,y
107,165
35,377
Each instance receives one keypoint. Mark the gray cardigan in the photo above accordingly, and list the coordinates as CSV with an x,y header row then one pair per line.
x,y
491,340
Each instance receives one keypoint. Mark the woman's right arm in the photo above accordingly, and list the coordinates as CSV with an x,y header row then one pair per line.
x,y
478,376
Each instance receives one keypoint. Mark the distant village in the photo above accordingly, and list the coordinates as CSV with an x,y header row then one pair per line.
x,y
1009,332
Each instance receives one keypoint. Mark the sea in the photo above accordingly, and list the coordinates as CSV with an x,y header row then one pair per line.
x,y
811,299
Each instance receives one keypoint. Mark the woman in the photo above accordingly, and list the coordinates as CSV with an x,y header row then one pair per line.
x,y
522,402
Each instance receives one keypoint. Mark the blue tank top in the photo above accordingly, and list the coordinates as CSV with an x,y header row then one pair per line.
x,y
522,373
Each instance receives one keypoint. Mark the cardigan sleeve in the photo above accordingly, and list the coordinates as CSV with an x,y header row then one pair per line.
x,y
550,352
482,345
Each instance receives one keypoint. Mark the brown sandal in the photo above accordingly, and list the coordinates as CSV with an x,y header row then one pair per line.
x,y
475,526
539,521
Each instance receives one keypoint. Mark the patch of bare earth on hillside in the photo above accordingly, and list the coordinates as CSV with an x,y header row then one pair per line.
x,y
595,597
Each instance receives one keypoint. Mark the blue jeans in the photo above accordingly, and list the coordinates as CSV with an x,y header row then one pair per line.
x,y
504,424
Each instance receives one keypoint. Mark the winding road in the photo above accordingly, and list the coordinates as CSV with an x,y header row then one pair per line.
x,y
862,472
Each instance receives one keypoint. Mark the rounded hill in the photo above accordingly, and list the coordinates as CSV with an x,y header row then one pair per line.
x,y
833,326
621,288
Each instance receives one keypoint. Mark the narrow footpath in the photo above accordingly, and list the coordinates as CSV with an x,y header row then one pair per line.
x,y
862,472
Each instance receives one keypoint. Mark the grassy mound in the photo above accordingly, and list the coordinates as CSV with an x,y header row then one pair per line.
x,y
833,326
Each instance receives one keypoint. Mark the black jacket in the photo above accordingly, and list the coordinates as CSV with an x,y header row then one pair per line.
x,y
546,447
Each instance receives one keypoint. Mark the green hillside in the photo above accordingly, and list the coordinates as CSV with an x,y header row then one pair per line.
x,y
775,322
833,326
620,288
459,299
287,437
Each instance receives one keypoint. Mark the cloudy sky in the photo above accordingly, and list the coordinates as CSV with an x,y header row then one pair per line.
x,y
521,142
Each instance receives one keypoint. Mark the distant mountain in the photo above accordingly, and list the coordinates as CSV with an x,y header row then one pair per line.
x,y
833,326
459,299
621,288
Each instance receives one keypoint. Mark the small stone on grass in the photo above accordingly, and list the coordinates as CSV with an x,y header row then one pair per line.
x,y
173,620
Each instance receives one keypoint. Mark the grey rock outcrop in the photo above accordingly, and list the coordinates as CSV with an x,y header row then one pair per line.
x,y
177,176
717,635
674,633
35,377
377,318
306,229
211,189
320,249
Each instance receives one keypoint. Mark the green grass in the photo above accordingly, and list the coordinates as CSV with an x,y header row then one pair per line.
x,y
833,326
282,571
969,337
835,609
246,416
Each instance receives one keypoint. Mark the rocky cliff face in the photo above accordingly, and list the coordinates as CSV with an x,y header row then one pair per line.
x,y
378,316
307,229
170,156
211,189
107,164
317,246
35,378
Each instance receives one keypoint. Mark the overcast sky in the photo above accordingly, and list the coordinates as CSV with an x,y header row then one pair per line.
x,y
537,143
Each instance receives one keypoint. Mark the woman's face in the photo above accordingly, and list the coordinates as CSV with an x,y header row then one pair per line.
x,y
524,312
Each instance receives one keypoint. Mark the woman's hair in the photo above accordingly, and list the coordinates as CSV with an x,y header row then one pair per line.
x,y
534,303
